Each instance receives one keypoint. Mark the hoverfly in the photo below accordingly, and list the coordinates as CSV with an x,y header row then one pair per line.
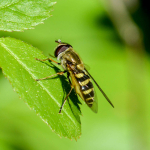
x,y
80,77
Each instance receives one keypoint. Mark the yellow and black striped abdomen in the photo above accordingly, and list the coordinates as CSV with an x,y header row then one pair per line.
x,y
86,87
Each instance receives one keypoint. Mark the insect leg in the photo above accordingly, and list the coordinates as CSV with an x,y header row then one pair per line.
x,y
51,55
58,73
65,100
68,74
67,94
48,59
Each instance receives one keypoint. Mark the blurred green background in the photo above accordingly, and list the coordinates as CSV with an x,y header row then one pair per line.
x,y
112,37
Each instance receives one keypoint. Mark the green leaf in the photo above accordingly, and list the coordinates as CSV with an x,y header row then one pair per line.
x,y
17,60
19,15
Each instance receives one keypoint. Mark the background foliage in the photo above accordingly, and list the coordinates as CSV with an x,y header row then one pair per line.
x,y
119,63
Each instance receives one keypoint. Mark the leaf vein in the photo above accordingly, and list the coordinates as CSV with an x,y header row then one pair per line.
x,y
34,77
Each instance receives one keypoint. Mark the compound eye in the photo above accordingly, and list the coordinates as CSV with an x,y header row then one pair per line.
x,y
61,49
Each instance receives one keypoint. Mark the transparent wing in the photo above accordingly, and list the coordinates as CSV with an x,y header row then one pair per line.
x,y
100,90
95,103
87,66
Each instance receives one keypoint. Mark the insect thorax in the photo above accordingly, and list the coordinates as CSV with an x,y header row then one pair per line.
x,y
70,57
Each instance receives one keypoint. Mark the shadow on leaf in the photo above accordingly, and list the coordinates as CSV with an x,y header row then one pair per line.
x,y
73,98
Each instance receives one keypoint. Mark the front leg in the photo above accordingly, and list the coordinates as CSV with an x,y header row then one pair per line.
x,y
49,60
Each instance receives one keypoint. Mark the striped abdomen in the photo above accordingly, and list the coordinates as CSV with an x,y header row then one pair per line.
x,y
86,87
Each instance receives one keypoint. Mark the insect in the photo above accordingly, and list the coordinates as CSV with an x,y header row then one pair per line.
x,y
80,77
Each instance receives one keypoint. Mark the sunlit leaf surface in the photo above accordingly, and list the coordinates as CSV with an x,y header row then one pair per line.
x,y
17,60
